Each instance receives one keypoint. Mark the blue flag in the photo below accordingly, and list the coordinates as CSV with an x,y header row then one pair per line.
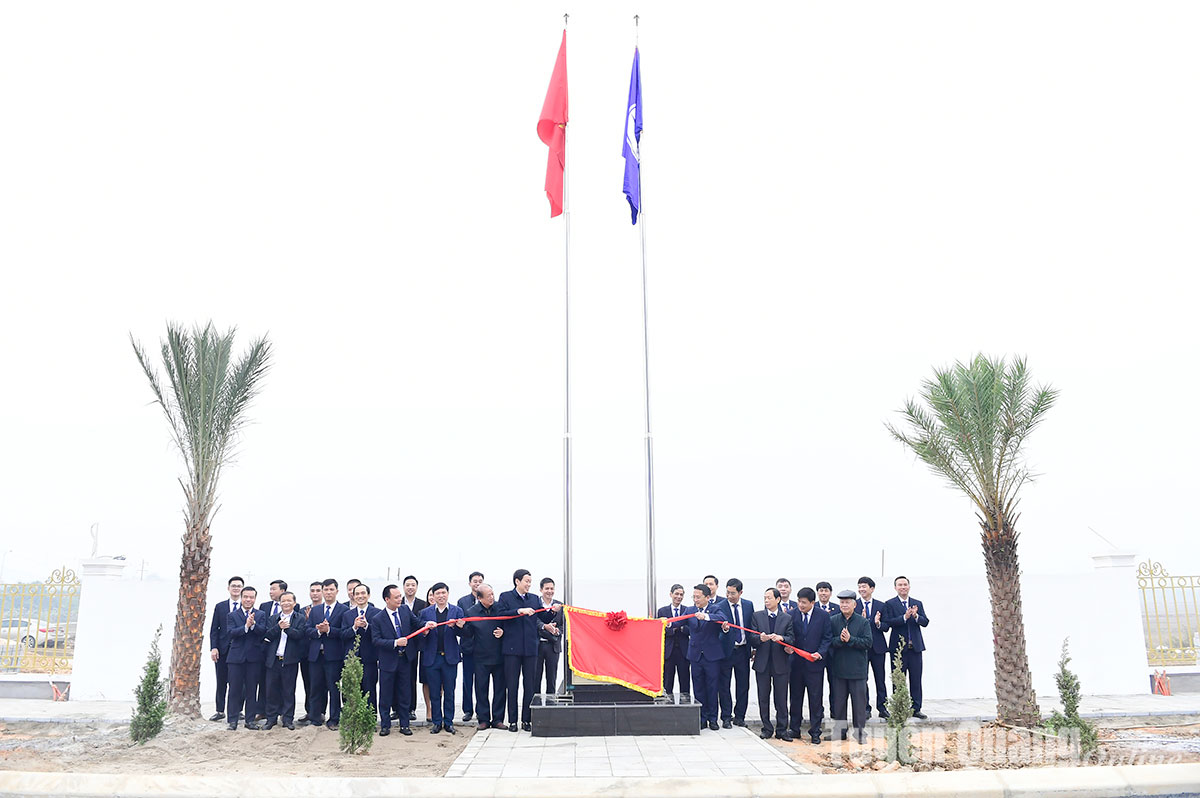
x,y
633,138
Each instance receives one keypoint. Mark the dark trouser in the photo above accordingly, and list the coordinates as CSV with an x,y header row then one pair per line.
x,y
676,663
468,682
281,690
243,689
493,711
547,664
370,678
705,673
911,664
522,667
736,666
222,680
768,682
395,693
856,691
441,676
326,673
412,684
304,677
880,670
807,679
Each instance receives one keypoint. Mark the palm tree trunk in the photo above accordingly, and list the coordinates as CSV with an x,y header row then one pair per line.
x,y
1016,703
187,646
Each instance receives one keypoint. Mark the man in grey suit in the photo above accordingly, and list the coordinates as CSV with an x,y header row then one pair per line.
x,y
771,664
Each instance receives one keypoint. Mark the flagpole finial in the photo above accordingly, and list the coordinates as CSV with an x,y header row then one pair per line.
x,y
565,20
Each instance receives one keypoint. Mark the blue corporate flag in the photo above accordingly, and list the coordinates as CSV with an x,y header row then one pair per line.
x,y
633,138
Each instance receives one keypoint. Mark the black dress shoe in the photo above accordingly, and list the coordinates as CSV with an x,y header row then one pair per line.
x,y
920,715
815,739
435,728
884,714
332,725
466,717
725,724
260,717
786,736
319,720
269,725
712,724
739,722
253,726
450,730
233,727
513,728
407,732
767,734
303,718
384,732
526,726
289,725
395,715
412,715
218,716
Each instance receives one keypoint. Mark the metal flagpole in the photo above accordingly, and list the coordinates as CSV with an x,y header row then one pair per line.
x,y
568,571
651,569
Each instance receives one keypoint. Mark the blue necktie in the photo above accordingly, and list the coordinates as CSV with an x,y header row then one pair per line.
x,y
806,624
396,617
771,624
327,612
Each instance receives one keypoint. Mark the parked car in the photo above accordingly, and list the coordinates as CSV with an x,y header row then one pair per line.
x,y
31,632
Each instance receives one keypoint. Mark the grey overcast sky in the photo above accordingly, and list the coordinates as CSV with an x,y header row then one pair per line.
x,y
839,197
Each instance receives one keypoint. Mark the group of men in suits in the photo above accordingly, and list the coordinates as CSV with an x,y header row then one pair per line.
x,y
726,638
259,652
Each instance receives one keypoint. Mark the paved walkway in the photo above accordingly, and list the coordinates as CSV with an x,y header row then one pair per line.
x,y
729,752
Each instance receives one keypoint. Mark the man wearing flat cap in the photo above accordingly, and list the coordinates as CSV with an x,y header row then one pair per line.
x,y
848,667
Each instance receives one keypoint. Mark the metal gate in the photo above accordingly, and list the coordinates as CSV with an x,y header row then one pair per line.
x,y
1170,615
37,624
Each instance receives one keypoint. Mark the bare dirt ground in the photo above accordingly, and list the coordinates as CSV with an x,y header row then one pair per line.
x,y
991,747
192,746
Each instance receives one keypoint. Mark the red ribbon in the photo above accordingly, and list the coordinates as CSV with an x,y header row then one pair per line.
x,y
425,629
790,648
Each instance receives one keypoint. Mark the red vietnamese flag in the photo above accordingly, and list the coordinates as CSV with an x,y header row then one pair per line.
x,y
614,648
552,130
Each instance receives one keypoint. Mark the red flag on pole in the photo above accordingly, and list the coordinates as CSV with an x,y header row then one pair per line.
x,y
612,647
552,130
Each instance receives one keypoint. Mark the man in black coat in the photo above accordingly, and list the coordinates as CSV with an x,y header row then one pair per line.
x,y
468,656
247,652
848,667
520,647
287,644
397,656
771,664
488,653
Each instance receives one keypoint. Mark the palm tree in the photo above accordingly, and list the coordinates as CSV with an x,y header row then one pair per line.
x,y
968,428
205,404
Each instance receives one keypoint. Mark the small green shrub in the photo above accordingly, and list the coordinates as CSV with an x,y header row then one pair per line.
x,y
151,697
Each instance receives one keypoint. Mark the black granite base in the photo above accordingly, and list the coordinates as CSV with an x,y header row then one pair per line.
x,y
568,716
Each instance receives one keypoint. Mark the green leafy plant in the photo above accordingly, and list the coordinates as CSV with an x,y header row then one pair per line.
x,y
356,729
151,697
969,426
1069,720
899,706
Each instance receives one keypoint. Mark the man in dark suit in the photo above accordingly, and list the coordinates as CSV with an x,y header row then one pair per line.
x,y
287,644
271,605
440,655
396,655
872,611
550,628
485,637
675,644
328,631
826,604
848,666
315,600
350,585
812,631
247,650
707,649
784,586
361,613
905,616
520,644
771,665
736,668
468,657
218,641
415,604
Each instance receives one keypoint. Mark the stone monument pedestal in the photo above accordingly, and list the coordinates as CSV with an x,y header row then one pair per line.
x,y
597,709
